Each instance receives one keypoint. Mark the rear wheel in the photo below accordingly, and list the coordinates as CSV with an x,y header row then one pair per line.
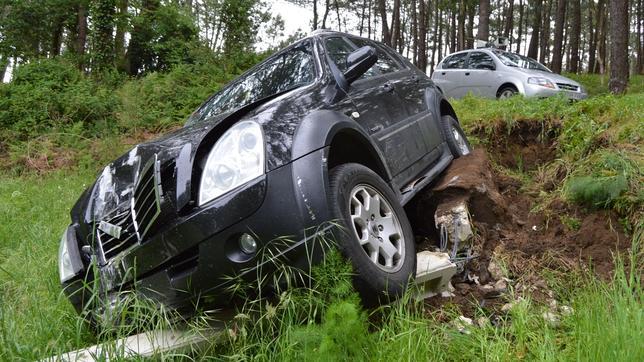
x,y
455,137
376,236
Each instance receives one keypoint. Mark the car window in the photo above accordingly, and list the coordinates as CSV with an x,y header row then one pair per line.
x,y
282,72
456,61
480,60
338,49
385,64
516,60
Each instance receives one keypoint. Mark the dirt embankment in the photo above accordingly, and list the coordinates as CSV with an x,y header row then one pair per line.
x,y
507,229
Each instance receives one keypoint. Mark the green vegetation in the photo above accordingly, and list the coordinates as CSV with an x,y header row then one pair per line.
x,y
598,165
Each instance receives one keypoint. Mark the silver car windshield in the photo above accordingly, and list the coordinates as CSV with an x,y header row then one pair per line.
x,y
516,60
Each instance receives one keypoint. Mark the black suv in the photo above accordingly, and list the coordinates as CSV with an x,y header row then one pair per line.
x,y
333,130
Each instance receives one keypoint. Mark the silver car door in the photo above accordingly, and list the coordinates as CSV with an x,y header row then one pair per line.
x,y
452,73
479,75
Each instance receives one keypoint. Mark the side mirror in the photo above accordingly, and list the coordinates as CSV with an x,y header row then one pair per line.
x,y
360,61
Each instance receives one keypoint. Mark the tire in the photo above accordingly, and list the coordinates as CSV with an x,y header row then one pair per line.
x,y
455,137
506,92
385,261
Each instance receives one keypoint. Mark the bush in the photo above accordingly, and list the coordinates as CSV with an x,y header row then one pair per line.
x,y
53,94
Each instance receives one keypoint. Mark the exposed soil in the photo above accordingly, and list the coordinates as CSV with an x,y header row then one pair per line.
x,y
505,227
524,146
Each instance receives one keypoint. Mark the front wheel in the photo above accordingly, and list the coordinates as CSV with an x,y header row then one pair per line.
x,y
455,137
376,236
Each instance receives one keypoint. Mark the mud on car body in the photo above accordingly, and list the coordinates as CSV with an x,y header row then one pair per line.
x,y
332,128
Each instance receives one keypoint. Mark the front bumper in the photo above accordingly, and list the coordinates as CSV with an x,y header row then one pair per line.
x,y
198,254
534,90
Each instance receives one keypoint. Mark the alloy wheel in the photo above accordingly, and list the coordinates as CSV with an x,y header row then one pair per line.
x,y
460,142
377,228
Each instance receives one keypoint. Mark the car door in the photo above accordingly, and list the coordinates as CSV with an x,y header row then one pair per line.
x,y
480,74
381,111
451,77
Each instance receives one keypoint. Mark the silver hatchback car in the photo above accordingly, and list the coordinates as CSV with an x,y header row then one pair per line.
x,y
494,73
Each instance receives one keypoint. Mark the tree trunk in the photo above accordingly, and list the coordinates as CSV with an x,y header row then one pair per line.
x,y
437,36
471,14
119,37
601,39
103,39
461,26
619,47
414,32
592,37
575,33
395,25
520,31
422,35
369,19
545,32
81,34
327,7
484,21
533,48
639,69
509,22
452,41
382,7
56,38
315,16
558,41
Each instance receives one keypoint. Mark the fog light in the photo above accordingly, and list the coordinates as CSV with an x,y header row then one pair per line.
x,y
248,244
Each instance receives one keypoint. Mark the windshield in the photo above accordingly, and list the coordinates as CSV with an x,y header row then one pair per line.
x,y
282,72
516,60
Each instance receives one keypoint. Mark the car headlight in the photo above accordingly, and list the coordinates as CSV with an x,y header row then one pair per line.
x,y
236,158
65,266
544,82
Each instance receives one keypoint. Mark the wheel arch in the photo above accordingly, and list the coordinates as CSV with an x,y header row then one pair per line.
x,y
347,142
507,84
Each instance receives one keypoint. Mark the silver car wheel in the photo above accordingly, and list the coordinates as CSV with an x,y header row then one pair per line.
x,y
377,228
507,93
460,141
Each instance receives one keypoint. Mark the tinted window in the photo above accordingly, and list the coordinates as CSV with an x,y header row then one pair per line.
x,y
282,72
385,64
480,60
455,61
338,50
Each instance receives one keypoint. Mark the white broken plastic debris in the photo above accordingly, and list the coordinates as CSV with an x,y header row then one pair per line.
x,y
551,318
462,323
566,310
434,270
534,227
456,221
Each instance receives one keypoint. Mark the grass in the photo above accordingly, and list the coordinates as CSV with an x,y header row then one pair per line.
x,y
597,139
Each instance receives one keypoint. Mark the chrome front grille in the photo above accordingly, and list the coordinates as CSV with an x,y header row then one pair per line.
x,y
566,86
116,234
146,198
122,229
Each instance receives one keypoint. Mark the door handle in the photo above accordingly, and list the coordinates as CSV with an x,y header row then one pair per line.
x,y
467,73
442,73
388,87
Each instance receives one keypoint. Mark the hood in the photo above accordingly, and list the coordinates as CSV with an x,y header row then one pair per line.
x,y
175,154
554,77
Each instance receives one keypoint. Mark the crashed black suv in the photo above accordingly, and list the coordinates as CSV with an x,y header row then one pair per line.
x,y
334,129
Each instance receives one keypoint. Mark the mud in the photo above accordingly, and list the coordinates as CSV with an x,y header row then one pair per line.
x,y
506,228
